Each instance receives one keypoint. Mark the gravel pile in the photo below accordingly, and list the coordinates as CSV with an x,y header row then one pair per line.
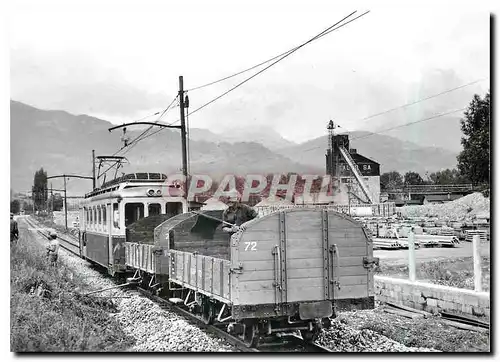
x,y
341,337
153,328
462,209
158,330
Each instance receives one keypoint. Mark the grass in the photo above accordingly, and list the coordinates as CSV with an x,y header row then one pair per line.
x,y
454,272
47,222
422,332
47,312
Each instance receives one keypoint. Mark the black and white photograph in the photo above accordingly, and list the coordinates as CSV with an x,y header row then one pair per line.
x,y
249,176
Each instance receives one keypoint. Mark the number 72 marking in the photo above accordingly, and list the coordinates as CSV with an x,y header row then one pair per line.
x,y
252,245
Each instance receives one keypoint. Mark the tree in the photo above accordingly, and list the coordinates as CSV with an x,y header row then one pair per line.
x,y
27,206
474,160
391,180
448,177
58,202
413,178
15,206
39,189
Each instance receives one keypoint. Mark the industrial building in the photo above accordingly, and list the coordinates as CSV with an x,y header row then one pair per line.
x,y
355,178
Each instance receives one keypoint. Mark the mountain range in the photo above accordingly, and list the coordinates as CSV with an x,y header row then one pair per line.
x,y
62,143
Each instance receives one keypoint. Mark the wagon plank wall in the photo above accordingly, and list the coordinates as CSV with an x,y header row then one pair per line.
x,y
352,246
305,273
254,252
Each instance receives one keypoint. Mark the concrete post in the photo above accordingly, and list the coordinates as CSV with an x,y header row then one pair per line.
x,y
477,263
411,257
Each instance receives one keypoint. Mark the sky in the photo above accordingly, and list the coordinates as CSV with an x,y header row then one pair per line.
x,y
120,61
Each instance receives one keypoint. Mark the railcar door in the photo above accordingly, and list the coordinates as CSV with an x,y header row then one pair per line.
x,y
109,225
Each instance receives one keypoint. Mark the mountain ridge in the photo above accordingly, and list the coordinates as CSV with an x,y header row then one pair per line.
x,y
62,143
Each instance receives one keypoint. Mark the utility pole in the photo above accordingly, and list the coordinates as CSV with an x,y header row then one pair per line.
x,y
183,136
184,103
65,206
51,202
33,197
65,196
93,170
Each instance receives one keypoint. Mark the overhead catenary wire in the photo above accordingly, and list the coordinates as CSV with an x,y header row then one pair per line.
x,y
327,31
323,33
396,127
410,123
138,138
423,99
384,130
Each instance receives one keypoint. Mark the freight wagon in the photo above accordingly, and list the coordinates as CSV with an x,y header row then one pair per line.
x,y
287,271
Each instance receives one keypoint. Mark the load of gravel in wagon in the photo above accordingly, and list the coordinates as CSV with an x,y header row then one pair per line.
x,y
463,209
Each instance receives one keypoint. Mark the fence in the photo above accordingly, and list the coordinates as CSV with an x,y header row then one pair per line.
x,y
383,210
433,297
482,234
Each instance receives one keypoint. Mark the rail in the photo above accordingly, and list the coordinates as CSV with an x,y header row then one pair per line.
x,y
192,317
69,245
287,343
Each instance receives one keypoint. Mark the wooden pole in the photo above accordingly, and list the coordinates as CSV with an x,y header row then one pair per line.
x,y
411,256
183,137
93,170
477,263
65,205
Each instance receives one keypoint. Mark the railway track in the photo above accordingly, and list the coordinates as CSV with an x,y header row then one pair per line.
x,y
70,245
287,343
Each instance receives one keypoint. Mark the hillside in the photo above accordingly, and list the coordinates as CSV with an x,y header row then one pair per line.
x,y
62,143
390,152
266,136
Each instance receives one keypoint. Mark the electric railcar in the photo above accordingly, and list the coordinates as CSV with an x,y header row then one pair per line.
x,y
107,212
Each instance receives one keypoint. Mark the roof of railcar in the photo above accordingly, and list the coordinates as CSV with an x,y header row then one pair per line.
x,y
138,177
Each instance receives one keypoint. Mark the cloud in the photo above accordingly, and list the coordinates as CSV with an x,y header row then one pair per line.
x,y
78,84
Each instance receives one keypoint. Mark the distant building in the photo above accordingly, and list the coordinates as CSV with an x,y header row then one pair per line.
x,y
440,199
369,169
406,202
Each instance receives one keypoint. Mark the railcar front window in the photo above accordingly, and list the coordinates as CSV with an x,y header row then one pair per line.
x,y
116,216
154,209
133,212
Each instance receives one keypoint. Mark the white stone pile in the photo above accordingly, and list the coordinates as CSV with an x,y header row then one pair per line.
x,y
463,209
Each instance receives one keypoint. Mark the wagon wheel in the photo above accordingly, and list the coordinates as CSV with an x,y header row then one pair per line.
x,y
310,336
251,335
208,312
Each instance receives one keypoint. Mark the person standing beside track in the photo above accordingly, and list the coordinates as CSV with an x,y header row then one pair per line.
x,y
237,213
14,230
53,248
